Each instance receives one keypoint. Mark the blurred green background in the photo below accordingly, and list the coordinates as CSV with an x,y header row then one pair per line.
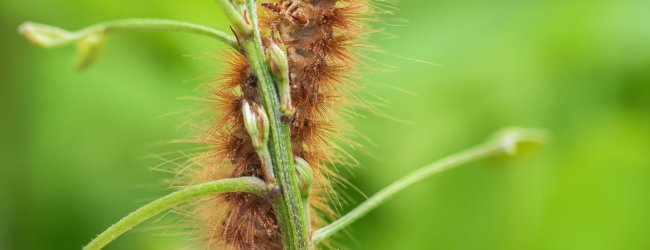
x,y
75,146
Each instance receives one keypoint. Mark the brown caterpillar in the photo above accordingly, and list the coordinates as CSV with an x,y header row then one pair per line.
x,y
322,38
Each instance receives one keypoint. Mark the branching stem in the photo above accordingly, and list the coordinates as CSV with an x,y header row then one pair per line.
x,y
505,142
243,184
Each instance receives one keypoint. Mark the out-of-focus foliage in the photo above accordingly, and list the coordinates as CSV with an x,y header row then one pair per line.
x,y
75,146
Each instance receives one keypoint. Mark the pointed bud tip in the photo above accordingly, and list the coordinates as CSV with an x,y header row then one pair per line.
x,y
24,27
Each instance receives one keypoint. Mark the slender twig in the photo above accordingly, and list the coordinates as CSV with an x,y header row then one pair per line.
x,y
243,184
148,24
505,142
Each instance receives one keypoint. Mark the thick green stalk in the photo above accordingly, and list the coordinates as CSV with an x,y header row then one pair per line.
x,y
243,184
506,142
288,206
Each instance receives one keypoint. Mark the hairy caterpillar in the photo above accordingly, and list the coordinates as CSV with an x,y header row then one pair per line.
x,y
321,38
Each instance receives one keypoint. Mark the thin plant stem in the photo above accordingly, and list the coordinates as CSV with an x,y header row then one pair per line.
x,y
251,185
169,25
268,164
506,142
146,24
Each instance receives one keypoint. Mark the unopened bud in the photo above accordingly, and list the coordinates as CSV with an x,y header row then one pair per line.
x,y
305,176
256,123
278,63
45,35
279,67
88,48
89,42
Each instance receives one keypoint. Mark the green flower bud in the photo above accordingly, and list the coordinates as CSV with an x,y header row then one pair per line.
x,y
45,35
279,67
88,48
89,42
256,123
305,175
278,62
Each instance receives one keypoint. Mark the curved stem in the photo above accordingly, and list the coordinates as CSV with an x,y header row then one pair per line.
x,y
243,184
506,142
169,25
151,24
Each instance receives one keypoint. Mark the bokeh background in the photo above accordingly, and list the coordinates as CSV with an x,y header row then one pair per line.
x,y
77,148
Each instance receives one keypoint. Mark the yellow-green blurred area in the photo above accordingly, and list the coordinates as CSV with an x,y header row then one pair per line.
x,y
78,148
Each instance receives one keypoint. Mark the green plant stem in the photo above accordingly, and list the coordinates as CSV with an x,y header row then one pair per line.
x,y
145,24
243,184
265,156
288,206
507,142
169,25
